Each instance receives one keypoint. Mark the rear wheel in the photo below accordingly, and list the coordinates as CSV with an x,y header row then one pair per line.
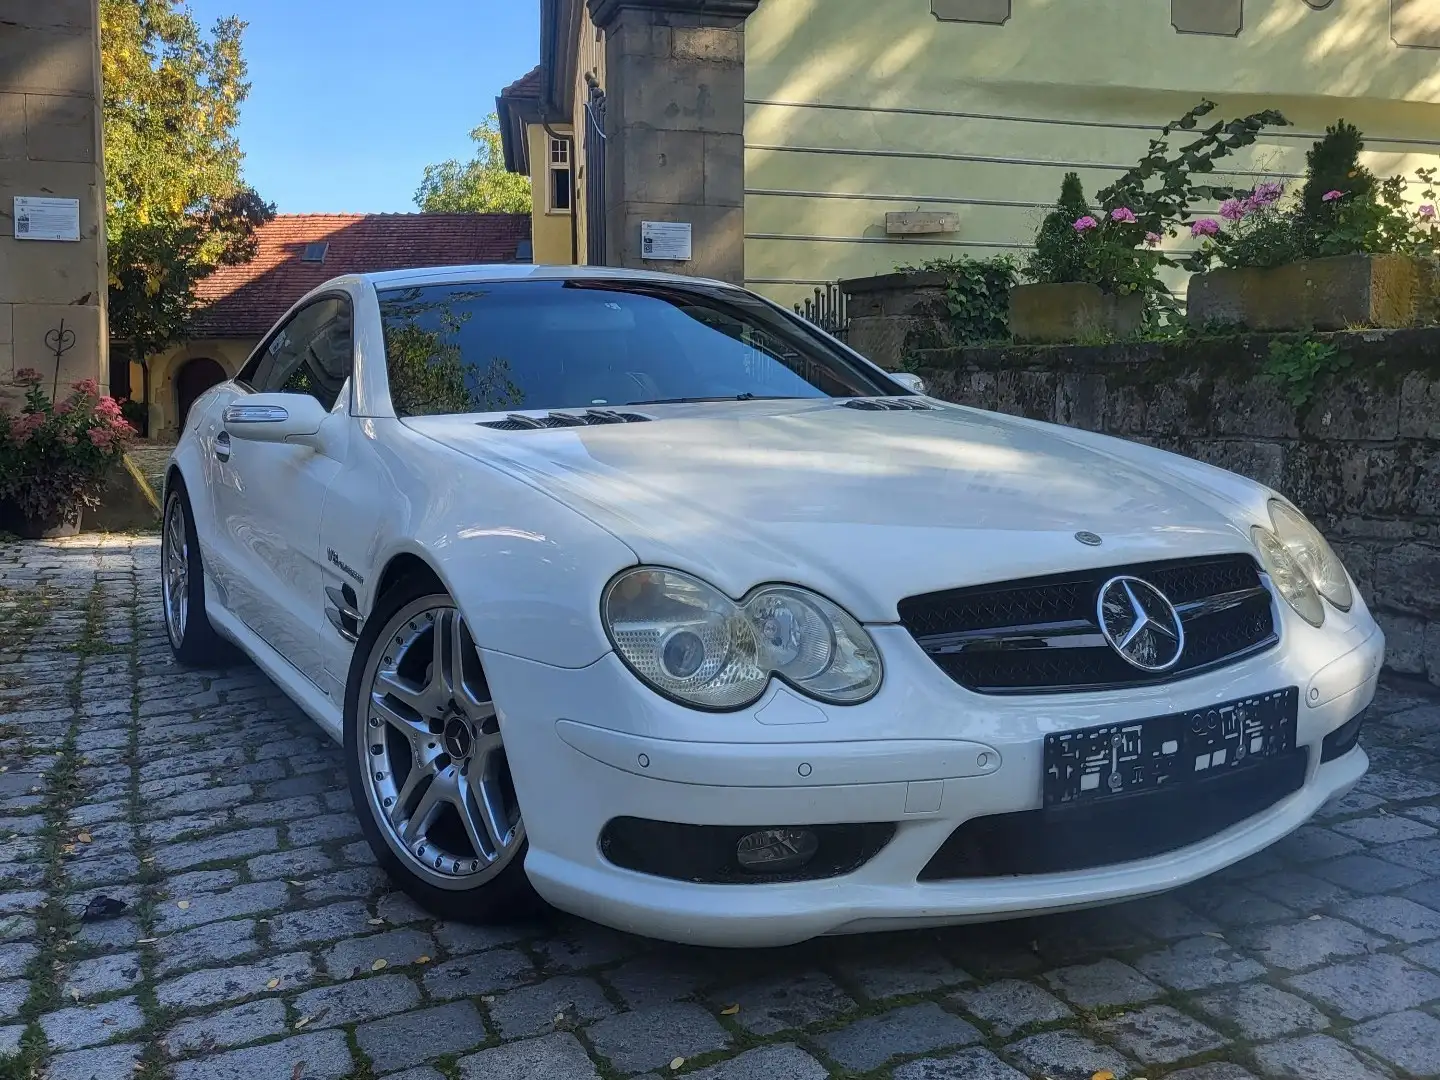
x,y
427,764
192,639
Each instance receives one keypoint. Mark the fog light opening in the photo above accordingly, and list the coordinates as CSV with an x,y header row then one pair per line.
x,y
770,851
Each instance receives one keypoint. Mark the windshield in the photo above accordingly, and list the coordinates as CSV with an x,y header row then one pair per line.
x,y
574,344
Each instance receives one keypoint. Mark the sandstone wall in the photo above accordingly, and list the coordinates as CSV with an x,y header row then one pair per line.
x,y
1362,457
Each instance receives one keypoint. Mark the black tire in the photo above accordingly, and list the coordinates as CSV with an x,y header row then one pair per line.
x,y
193,639
507,895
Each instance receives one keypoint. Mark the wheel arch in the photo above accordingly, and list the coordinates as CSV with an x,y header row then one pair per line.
x,y
402,565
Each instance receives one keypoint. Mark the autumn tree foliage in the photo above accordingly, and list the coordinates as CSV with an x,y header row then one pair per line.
x,y
478,186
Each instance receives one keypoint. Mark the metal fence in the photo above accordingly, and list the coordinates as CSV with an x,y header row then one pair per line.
x,y
595,176
827,309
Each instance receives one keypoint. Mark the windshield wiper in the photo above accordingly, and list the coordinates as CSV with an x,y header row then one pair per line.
x,y
723,397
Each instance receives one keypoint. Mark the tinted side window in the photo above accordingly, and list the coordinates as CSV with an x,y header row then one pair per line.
x,y
312,353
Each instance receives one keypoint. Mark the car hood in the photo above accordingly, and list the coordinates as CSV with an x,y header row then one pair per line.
x,y
867,507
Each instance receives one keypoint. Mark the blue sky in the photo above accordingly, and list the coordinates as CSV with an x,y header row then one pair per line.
x,y
351,99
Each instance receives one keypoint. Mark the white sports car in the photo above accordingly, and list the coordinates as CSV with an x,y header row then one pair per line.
x,y
643,594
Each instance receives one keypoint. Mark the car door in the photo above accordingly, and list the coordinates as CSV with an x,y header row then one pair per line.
x,y
268,497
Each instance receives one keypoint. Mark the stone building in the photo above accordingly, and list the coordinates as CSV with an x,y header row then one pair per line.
x,y
296,253
789,134
52,228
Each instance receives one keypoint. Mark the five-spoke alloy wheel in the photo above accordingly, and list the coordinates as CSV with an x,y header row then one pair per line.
x,y
427,761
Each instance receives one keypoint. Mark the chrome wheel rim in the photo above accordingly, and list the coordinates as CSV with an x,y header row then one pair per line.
x,y
175,563
433,763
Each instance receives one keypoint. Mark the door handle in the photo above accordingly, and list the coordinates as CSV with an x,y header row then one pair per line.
x,y
222,446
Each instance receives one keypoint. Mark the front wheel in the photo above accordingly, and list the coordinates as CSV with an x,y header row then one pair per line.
x,y
427,764
192,639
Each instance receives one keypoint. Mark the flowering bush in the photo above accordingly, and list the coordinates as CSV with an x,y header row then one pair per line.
x,y
1117,246
55,455
1342,209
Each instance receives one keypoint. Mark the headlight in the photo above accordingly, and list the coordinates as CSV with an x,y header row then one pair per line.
x,y
1287,575
691,642
1316,558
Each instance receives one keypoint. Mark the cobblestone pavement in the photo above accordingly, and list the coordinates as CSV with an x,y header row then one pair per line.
x,y
259,941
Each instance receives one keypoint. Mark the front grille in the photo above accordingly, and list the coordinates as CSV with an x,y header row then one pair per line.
x,y
1042,635
1120,829
888,404
588,418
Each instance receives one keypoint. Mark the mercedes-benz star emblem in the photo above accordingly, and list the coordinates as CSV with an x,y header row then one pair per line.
x,y
1140,624
1089,539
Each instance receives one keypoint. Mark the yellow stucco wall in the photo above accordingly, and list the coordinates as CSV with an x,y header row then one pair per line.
x,y
549,232
229,353
983,120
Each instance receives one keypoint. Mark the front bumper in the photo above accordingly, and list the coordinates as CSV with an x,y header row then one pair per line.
x,y
590,745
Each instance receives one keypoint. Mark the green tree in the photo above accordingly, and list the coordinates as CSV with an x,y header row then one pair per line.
x,y
176,205
478,186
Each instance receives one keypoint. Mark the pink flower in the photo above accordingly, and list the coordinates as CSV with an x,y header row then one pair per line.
x,y
102,437
88,387
66,438
107,406
1086,223
1267,193
1152,239
1123,213
1205,227
26,426
1233,209
1427,211
64,408
27,376
1331,196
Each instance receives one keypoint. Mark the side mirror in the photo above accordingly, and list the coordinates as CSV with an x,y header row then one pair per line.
x,y
909,380
276,418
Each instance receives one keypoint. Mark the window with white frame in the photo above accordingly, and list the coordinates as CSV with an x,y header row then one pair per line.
x,y
560,188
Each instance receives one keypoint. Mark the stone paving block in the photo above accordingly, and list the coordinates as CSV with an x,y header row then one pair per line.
x,y
311,925
315,830
1407,1040
1389,829
398,909
1313,1057
915,1029
1425,955
251,1022
1010,1004
1262,1011
536,1010
218,985
102,975
211,907
1425,893
1068,1055
795,1001
12,996
1365,988
582,946
553,1057
784,1061
1233,905
1198,963
420,1072
323,1055
358,1000
10,1038
211,944
1306,893
359,955
1104,983
1397,786
972,1064
177,828
267,813
482,973
14,959
1217,1070
1304,944
102,871
82,1026
1367,875
98,1063
1160,1035
656,978
297,862
1395,917
1164,918
1420,855
184,886
913,971
343,884
194,800
358,854
461,938
414,1037
220,848
651,1038
1311,843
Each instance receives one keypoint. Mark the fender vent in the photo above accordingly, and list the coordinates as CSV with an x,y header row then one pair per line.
x,y
589,418
888,404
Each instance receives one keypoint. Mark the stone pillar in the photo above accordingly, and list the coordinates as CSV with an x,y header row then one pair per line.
x,y
675,122
50,147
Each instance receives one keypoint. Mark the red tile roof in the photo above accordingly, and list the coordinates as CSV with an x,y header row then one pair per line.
x,y
246,300
528,85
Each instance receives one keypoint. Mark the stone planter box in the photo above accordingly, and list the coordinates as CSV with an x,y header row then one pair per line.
x,y
1339,293
1075,311
894,315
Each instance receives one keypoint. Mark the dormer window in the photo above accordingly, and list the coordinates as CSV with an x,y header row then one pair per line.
x,y
315,252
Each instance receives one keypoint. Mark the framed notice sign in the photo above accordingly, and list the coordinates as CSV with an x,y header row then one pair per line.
x,y
665,240
39,218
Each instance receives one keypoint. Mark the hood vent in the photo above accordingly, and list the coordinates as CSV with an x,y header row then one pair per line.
x,y
888,404
589,418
